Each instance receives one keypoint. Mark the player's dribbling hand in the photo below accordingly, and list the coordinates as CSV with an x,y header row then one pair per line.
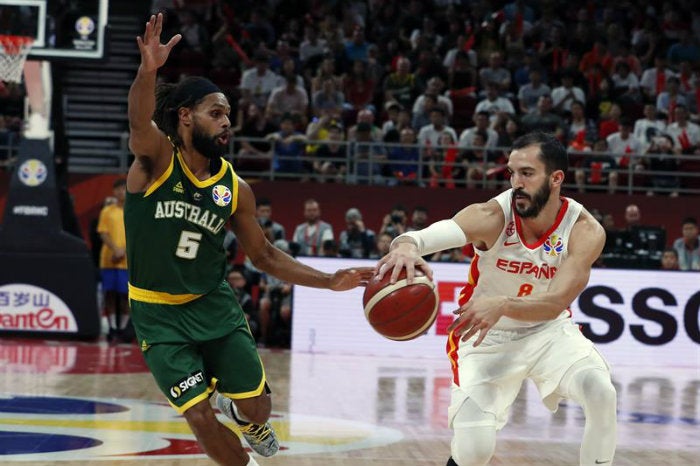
x,y
346,279
153,53
403,255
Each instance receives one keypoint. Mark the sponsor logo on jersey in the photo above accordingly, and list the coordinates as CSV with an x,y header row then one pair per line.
x,y
178,188
177,390
33,172
221,195
554,245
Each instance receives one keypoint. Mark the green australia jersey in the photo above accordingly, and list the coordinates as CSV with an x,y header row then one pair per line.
x,y
175,232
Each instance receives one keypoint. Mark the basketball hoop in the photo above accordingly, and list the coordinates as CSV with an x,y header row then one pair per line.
x,y
13,54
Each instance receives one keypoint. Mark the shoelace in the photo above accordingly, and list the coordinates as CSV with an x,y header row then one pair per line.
x,y
259,431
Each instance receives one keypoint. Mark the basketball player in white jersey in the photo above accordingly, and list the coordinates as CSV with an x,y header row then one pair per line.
x,y
534,252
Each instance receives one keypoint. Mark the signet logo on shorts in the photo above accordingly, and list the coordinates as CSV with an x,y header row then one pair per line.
x,y
221,195
177,390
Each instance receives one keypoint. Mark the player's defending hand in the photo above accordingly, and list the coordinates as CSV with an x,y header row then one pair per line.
x,y
153,53
346,279
403,255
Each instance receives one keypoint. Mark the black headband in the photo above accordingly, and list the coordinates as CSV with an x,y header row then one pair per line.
x,y
192,88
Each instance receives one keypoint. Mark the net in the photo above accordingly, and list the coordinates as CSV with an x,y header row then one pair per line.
x,y
13,54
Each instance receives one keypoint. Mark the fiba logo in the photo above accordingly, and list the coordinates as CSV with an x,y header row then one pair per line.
x,y
84,26
221,195
32,173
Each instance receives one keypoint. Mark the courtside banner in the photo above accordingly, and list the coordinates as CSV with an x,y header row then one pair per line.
x,y
634,317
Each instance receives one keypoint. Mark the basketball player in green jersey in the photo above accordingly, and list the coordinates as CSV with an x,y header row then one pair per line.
x,y
180,193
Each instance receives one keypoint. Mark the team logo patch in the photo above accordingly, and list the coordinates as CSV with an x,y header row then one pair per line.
x,y
33,172
510,229
221,195
553,246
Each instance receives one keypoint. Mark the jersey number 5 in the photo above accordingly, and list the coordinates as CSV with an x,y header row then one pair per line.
x,y
188,245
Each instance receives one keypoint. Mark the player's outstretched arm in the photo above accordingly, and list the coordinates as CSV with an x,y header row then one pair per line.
x,y
476,223
275,262
145,138
585,245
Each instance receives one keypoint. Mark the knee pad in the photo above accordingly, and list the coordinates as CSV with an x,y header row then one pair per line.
x,y
593,389
474,438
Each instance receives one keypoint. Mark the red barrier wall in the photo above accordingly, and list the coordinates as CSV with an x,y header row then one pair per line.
x,y
287,198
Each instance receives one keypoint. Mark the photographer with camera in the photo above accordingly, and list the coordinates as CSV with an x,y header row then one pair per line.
x,y
356,240
272,229
662,159
394,223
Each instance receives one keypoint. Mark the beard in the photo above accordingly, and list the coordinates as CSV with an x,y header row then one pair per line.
x,y
537,201
208,146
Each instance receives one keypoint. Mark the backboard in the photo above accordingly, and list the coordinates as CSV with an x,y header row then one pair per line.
x,y
62,29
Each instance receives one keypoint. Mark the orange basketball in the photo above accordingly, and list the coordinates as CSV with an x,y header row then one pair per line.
x,y
401,311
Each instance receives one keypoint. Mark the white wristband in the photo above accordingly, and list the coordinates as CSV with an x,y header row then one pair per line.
x,y
445,234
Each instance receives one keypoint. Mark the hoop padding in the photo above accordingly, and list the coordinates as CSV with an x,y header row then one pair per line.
x,y
13,54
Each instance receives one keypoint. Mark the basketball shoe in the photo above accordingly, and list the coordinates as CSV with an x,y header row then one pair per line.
x,y
260,437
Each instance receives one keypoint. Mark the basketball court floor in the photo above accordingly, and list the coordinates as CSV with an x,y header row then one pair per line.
x,y
95,404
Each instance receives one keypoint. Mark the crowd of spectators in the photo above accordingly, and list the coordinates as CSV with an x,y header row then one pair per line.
x,y
617,82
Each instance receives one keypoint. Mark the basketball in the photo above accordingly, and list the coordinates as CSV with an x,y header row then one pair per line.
x,y
400,311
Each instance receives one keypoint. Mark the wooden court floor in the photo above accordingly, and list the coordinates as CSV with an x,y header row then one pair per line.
x,y
67,403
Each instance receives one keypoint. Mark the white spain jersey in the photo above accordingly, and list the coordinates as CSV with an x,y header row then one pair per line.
x,y
513,268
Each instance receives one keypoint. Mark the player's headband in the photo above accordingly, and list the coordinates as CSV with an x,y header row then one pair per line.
x,y
193,88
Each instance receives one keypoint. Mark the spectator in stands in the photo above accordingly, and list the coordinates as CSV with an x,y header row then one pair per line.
x,y
683,50
544,119
253,154
404,159
422,118
194,35
383,244
258,82
311,234
530,93
429,135
366,116
326,70
609,121
329,100
368,156
597,170
494,104
289,99
356,240
564,95
598,55
633,216
419,219
624,146
649,127
392,123
275,307
312,48
358,88
654,79
496,74
324,166
356,48
625,55
660,157
626,84
685,133
238,282
259,29
688,245
482,123
669,259
400,86
443,160
668,100
288,147
690,81
476,160
580,130
434,88
462,75
330,248
272,229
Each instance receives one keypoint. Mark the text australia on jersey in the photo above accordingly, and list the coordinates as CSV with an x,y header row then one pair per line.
x,y
191,213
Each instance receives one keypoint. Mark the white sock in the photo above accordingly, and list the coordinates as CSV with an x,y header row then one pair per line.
x,y
251,462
